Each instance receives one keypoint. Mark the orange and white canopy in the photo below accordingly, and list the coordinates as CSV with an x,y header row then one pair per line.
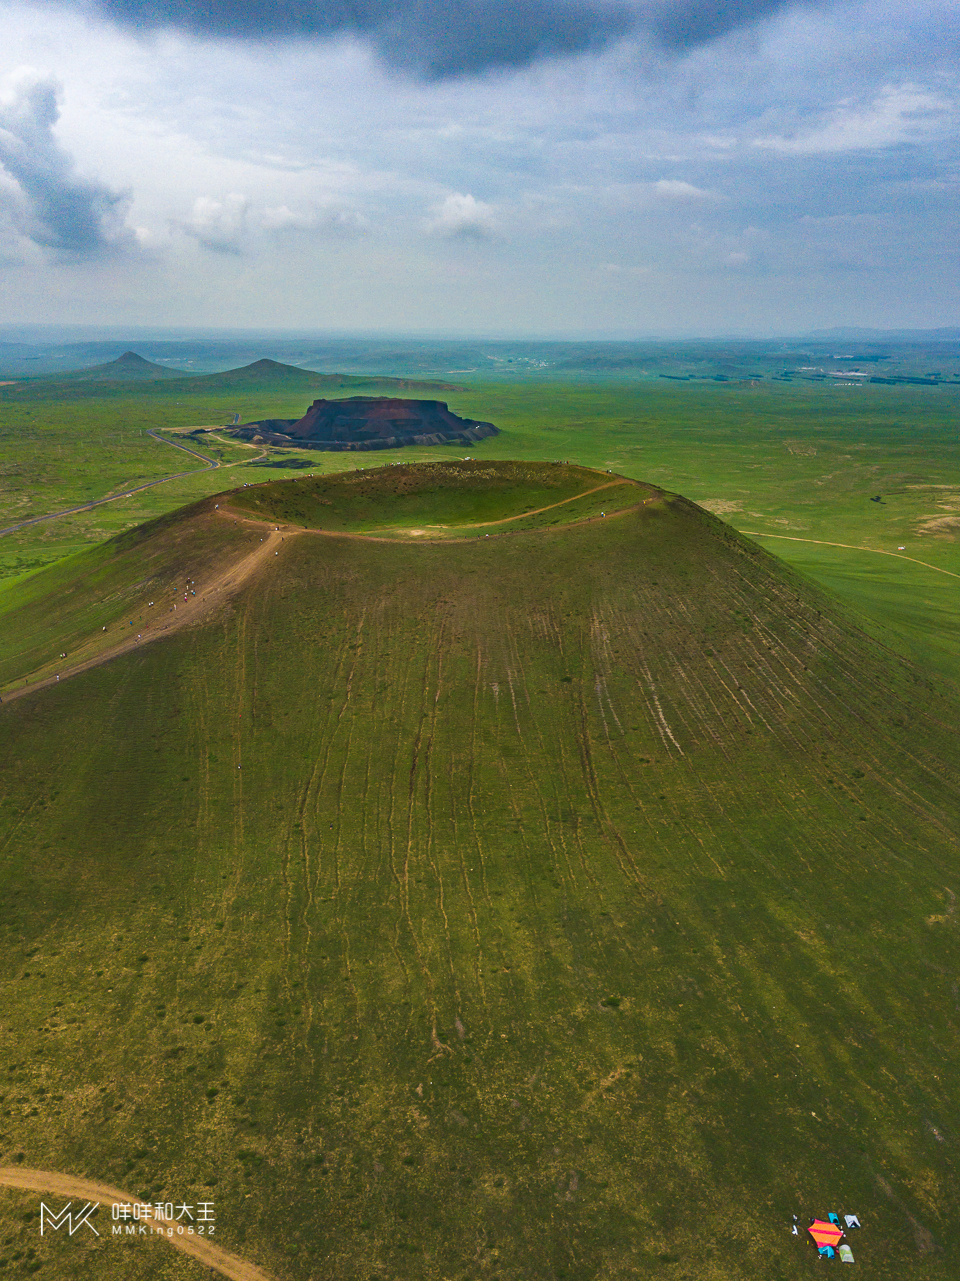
x,y
825,1233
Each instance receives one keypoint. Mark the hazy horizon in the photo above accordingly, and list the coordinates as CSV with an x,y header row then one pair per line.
x,y
57,334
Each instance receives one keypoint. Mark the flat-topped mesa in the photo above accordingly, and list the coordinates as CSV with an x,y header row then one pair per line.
x,y
368,422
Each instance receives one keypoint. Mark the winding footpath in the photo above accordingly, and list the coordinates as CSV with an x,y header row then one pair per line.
x,y
210,595
53,1183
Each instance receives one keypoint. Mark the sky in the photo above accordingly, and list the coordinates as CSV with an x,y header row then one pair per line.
x,y
568,168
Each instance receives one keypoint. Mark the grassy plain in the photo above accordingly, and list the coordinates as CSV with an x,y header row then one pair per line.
x,y
578,903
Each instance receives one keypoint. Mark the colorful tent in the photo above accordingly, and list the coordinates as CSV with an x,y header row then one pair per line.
x,y
824,1233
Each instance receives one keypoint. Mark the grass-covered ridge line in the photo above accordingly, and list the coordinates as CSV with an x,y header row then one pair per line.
x,y
565,905
435,498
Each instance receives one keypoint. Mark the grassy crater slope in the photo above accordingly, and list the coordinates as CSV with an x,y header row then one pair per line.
x,y
567,905
445,498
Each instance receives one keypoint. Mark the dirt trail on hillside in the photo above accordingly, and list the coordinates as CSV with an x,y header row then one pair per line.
x,y
65,1185
423,535
209,596
213,593
504,520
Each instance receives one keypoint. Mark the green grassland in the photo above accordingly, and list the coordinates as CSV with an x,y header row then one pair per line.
x,y
783,461
566,905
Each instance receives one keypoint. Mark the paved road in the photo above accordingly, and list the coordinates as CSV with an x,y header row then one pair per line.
x,y
53,1183
208,465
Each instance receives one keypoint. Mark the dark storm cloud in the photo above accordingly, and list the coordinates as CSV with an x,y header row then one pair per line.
x,y
435,38
684,24
61,210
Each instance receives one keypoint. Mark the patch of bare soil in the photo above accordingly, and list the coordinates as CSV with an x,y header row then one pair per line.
x,y
720,506
939,526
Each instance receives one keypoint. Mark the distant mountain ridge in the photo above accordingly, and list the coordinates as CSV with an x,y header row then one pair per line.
x,y
260,375
294,376
948,333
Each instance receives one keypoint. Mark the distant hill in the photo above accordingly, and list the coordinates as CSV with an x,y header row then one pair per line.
x,y
267,371
368,422
950,333
121,376
126,368
271,372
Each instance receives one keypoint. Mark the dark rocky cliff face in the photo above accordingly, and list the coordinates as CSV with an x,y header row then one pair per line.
x,y
369,422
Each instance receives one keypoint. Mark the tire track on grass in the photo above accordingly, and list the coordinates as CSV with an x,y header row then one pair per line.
x,y
358,655
428,714
474,833
401,871
875,551
309,808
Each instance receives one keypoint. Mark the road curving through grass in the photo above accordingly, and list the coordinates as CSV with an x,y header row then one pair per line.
x,y
850,547
211,464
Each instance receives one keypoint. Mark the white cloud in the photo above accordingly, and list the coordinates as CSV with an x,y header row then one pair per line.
x,y
675,189
325,220
464,216
282,218
896,115
218,224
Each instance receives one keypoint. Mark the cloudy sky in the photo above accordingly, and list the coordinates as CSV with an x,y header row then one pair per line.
x,y
531,167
